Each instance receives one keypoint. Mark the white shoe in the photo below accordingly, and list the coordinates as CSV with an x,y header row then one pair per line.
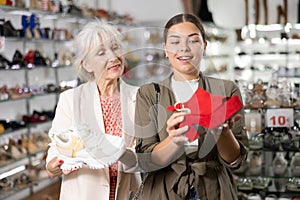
x,y
81,146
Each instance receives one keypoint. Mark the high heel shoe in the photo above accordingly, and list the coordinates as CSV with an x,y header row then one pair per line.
x,y
17,61
204,107
39,59
29,59
4,62
25,27
35,29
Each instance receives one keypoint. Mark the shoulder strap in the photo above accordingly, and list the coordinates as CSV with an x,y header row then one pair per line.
x,y
157,89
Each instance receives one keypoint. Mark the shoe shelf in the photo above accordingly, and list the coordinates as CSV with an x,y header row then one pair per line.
x,y
273,163
272,167
34,69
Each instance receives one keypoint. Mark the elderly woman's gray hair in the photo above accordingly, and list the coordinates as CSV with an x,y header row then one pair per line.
x,y
91,36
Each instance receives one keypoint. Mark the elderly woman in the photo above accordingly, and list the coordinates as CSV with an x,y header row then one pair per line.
x,y
92,165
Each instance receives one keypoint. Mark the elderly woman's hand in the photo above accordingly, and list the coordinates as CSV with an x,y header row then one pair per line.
x,y
54,170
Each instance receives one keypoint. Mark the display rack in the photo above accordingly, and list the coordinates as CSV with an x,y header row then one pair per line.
x,y
266,67
29,93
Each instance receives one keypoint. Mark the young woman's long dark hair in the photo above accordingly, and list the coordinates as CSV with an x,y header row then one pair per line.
x,y
180,18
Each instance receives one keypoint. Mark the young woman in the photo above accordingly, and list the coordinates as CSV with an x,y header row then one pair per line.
x,y
179,168
100,105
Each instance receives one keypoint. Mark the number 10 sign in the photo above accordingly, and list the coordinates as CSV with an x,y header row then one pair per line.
x,y
279,117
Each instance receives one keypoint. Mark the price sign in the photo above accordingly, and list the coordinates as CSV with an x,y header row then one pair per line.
x,y
280,117
2,44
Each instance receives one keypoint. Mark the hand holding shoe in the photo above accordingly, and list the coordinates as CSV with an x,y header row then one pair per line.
x,y
177,134
53,167
81,146
226,126
207,110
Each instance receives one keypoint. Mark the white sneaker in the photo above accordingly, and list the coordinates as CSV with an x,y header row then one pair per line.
x,y
81,146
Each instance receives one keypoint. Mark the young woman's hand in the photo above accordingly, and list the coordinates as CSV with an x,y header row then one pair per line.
x,y
175,133
226,126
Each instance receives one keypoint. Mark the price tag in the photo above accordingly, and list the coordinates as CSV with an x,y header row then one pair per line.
x,y
280,117
2,44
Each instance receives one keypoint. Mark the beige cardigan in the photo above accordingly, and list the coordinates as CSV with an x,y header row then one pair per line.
x,y
87,183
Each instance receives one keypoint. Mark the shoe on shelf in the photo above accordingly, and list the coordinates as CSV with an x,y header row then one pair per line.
x,y
295,164
255,163
17,61
6,184
279,164
288,143
272,94
272,139
39,60
245,184
261,183
29,59
259,95
284,197
254,196
25,27
4,62
34,24
293,184
9,30
271,197
80,145
256,142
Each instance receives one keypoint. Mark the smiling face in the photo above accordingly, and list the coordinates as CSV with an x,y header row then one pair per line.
x,y
105,61
184,47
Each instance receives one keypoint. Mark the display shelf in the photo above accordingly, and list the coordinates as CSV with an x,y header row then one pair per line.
x,y
15,194
9,169
36,78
